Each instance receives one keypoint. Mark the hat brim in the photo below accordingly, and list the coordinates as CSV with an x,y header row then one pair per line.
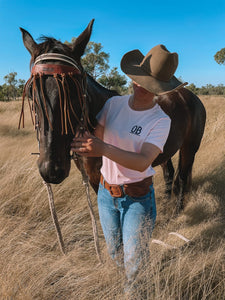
x,y
130,65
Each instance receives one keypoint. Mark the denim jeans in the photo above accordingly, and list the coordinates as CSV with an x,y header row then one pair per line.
x,y
127,224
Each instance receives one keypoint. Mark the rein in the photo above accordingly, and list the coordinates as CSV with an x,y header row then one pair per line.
x,y
61,73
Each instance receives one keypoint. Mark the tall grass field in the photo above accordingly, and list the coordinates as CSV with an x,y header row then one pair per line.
x,y
31,264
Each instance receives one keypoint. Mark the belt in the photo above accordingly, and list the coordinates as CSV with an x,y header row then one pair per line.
x,y
135,189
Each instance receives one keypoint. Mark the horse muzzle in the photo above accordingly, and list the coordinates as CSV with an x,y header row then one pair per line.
x,y
53,172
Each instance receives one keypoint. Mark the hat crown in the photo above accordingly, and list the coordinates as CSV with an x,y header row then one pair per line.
x,y
160,63
155,71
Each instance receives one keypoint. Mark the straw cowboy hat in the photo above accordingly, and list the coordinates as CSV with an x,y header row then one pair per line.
x,y
155,71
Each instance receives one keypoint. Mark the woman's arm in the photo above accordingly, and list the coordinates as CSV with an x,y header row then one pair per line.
x,y
90,145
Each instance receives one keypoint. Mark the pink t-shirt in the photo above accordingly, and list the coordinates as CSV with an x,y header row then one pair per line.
x,y
128,129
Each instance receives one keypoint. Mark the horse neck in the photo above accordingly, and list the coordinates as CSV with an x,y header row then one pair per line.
x,y
97,95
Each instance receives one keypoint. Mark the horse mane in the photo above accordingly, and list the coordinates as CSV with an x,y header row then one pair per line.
x,y
96,91
97,96
100,88
49,44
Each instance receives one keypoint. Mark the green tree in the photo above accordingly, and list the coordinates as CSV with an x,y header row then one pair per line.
x,y
219,90
95,61
209,89
5,92
70,43
1,94
130,87
10,88
114,81
21,83
220,57
192,88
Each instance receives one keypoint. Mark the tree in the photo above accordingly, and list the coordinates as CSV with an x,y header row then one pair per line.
x,y
21,83
220,57
1,94
5,92
10,88
130,87
95,61
114,81
192,88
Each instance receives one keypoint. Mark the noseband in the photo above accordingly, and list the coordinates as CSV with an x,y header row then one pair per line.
x,y
61,73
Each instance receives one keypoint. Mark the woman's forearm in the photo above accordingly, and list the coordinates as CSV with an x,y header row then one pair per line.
x,y
131,160
91,146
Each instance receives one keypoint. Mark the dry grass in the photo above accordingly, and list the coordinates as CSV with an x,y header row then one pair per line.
x,y
31,265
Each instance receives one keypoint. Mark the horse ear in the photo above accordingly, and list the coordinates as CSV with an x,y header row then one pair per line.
x,y
28,41
81,42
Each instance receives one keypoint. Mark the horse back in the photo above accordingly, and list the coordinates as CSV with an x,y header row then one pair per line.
x,y
188,116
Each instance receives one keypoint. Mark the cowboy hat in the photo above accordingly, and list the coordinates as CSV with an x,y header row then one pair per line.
x,y
155,71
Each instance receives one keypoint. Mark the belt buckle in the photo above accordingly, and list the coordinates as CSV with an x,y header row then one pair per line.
x,y
116,191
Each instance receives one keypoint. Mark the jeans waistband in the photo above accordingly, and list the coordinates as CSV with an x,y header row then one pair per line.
x,y
135,189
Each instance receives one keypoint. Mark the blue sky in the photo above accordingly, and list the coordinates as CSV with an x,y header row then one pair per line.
x,y
194,29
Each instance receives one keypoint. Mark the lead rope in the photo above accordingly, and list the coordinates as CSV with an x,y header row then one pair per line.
x,y
85,178
54,216
91,211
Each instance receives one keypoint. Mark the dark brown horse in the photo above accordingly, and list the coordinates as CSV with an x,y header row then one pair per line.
x,y
65,98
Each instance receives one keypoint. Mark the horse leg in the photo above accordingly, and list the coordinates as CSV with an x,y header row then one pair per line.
x,y
183,177
168,173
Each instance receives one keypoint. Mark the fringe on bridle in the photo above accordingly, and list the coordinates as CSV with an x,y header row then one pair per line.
x,y
66,106
61,74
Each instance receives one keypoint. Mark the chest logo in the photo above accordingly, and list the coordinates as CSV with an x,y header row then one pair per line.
x,y
136,130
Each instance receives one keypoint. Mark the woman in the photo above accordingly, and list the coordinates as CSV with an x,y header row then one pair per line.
x,y
130,134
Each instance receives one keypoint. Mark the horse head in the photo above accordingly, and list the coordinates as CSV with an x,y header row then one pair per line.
x,y
57,90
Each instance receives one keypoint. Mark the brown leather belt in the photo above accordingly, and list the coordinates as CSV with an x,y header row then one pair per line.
x,y
135,189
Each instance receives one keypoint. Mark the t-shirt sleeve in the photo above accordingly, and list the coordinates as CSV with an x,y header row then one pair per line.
x,y
159,133
101,116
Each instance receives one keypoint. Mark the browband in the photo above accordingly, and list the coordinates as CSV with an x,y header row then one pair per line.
x,y
51,69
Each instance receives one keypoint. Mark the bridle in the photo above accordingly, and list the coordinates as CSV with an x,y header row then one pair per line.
x,y
61,73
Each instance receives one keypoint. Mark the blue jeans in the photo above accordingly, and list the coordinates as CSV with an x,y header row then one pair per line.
x,y
127,224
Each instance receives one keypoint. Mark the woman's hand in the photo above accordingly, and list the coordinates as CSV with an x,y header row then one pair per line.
x,y
88,145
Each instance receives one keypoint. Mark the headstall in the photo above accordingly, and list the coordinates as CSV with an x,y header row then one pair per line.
x,y
61,73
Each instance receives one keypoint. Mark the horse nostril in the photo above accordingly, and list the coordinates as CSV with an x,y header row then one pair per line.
x,y
58,172
53,173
